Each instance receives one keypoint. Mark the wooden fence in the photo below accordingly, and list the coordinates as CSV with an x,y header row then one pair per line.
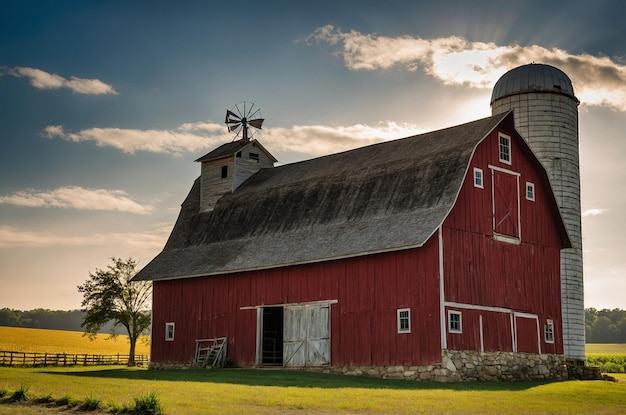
x,y
9,358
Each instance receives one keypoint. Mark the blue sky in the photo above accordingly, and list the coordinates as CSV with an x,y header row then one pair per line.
x,y
104,106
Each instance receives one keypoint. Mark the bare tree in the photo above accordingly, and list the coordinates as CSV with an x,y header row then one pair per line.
x,y
111,296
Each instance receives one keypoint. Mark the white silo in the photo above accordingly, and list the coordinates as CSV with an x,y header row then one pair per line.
x,y
546,115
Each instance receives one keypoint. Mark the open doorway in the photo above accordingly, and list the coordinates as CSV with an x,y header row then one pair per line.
x,y
272,349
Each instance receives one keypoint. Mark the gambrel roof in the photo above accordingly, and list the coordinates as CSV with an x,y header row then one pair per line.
x,y
383,197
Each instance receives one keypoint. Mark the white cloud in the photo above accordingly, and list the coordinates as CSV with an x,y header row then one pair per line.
x,y
77,198
44,80
12,237
456,61
593,212
320,140
194,137
132,140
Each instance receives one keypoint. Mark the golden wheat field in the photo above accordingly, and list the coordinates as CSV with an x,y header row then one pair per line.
x,y
72,342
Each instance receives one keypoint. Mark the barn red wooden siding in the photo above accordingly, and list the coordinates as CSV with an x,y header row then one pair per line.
x,y
368,290
506,290
499,276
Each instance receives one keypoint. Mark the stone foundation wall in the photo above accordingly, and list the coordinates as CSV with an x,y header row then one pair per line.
x,y
163,366
468,366
455,366
577,369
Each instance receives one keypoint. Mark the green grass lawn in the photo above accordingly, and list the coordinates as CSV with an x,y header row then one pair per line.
x,y
249,391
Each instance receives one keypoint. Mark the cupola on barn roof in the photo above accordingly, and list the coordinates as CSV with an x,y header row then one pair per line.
x,y
533,78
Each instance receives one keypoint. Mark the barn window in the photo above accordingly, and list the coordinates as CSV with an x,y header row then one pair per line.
x,y
478,177
253,156
169,331
224,172
504,146
548,331
404,320
454,322
530,191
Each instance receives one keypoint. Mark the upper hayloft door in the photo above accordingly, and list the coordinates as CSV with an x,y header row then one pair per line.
x,y
505,191
306,335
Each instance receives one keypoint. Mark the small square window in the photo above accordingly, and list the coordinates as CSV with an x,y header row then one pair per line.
x,y
404,320
530,191
224,172
169,331
548,331
454,322
504,148
253,156
478,178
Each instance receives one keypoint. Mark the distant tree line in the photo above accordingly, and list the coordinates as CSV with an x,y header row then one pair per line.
x,y
605,326
42,318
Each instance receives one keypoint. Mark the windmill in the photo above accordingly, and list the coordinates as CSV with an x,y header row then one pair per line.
x,y
243,116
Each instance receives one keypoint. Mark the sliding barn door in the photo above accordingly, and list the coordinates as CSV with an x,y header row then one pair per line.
x,y
306,335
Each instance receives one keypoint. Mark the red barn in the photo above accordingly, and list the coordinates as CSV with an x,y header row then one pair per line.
x,y
430,257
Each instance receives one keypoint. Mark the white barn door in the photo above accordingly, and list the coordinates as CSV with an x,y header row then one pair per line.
x,y
306,339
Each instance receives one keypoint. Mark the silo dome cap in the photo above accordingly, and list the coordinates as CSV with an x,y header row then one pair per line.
x,y
533,78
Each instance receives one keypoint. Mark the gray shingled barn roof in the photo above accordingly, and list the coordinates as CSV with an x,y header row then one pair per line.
x,y
383,197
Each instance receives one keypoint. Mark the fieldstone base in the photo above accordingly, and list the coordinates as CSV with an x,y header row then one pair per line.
x,y
163,366
469,366
455,366
577,369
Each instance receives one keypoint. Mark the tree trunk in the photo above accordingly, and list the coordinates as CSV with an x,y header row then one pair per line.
x,y
131,353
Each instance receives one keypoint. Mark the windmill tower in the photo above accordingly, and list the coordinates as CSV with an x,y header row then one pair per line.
x,y
546,115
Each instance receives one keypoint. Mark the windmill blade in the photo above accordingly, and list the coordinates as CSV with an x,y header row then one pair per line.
x,y
252,114
232,117
233,126
256,123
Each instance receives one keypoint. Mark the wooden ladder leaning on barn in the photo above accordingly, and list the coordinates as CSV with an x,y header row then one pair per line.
x,y
210,352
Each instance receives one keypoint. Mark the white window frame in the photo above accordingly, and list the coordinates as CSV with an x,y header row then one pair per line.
x,y
479,178
402,319
530,191
548,331
169,331
455,329
506,146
